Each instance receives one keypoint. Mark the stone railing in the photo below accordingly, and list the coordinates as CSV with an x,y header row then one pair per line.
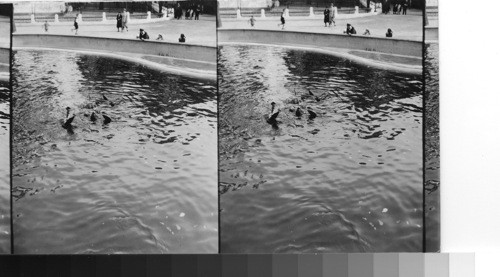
x,y
311,14
102,19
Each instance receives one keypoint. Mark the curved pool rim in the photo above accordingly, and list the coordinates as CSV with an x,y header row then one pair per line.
x,y
197,61
4,64
342,46
341,54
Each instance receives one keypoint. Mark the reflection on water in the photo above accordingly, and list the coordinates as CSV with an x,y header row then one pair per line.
x,y
144,183
4,169
349,180
432,165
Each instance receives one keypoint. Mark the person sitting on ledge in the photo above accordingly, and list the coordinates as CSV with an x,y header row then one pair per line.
x,y
160,37
366,33
182,38
389,33
143,35
350,30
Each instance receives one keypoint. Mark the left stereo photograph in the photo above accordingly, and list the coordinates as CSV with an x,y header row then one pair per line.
x,y
114,128
5,37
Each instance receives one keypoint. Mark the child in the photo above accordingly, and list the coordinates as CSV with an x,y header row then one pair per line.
x,y
75,24
252,21
282,21
160,37
366,33
46,26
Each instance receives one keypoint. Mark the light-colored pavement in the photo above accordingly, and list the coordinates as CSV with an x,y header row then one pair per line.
x,y
403,26
200,32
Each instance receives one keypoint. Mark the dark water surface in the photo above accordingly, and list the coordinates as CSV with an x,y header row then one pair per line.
x,y
432,165
349,180
145,183
4,168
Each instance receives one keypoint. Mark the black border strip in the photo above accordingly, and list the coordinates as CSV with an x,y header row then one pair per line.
x,y
424,125
217,22
11,130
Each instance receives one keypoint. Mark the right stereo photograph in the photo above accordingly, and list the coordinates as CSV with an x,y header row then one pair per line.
x,y
322,127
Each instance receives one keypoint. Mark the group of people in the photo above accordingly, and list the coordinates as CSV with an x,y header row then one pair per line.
x,y
350,30
143,35
192,11
122,20
398,6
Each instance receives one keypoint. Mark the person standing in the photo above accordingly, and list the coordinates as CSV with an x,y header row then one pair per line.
x,y
75,25
326,15
125,20
178,11
119,21
282,21
332,15
193,8
252,21
197,13
46,26
405,6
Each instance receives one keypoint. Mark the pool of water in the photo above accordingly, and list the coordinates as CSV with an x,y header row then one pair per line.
x,y
4,168
349,180
144,183
432,165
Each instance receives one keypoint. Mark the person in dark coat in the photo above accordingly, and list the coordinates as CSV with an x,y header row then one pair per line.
x,y
182,38
326,18
405,6
197,12
389,33
119,21
282,20
143,35
178,11
75,24
386,6
350,30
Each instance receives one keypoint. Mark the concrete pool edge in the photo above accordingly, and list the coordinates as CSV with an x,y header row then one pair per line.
x,y
431,34
341,53
138,59
332,44
197,61
4,64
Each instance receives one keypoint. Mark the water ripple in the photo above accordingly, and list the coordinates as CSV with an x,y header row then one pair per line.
x,y
115,187
348,180
4,168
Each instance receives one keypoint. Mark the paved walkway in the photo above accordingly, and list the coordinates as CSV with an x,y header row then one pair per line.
x,y
200,32
403,26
